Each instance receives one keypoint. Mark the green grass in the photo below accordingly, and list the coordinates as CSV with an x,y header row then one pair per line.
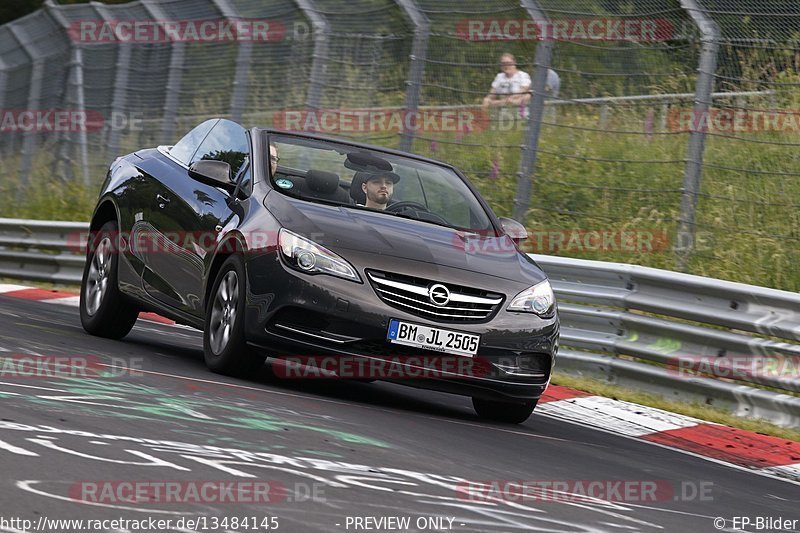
x,y
51,201
586,179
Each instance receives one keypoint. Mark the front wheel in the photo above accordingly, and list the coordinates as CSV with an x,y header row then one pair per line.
x,y
224,347
512,413
105,312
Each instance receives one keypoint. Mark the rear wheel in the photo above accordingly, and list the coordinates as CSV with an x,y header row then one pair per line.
x,y
224,346
104,310
512,413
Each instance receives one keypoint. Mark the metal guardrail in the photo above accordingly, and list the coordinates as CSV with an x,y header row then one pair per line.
x,y
681,336
42,250
676,335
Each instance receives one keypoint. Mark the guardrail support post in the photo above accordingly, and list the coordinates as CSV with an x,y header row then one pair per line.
x,y
321,30
527,165
419,52
684,244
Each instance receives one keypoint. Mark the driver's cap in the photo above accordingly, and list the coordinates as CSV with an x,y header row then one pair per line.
x,y
391,175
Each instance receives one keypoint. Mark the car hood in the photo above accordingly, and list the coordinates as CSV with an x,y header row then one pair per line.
x,y
344,229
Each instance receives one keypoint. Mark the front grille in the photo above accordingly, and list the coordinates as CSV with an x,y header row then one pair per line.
x,y
410,294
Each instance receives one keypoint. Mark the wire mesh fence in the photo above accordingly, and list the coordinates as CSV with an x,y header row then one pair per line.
x,y
659,132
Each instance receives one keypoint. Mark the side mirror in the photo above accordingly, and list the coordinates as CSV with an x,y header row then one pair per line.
x,y
212,172
514,229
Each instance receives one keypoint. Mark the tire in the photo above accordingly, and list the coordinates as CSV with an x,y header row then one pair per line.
x,y
105,312
512,413
224,347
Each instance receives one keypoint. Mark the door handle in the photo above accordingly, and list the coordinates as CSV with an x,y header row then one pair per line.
x,y
162,201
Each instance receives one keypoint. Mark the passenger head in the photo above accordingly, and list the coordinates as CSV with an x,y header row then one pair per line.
x,y
273,159
508,65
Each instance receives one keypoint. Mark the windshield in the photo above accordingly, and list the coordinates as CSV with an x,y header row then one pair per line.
x,y
332,173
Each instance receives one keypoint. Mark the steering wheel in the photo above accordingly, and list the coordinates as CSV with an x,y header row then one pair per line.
x,y
416,206
401,206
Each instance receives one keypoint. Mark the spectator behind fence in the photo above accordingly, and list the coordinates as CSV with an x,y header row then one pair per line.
x,y
511,86
553,84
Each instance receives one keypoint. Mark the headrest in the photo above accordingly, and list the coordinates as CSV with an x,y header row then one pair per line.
x,y
356,193
321,181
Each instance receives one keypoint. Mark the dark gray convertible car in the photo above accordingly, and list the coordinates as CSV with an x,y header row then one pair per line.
x,y
279,244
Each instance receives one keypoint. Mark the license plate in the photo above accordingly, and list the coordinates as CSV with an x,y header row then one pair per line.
x,y
436,339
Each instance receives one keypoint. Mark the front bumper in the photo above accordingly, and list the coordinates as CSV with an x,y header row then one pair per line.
x,y
291,313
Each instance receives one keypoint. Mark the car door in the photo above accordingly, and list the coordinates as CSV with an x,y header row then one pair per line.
x,y
148,205
189,215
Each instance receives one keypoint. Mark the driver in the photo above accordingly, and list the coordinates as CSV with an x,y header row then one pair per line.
x,y
273,159
379,188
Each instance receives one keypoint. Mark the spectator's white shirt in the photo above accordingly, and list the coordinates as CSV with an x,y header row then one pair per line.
x,y
553,81
502,84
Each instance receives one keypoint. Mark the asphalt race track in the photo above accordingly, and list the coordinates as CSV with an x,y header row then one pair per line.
x,y
329,455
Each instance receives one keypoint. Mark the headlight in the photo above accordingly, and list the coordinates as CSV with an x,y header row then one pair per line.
x,y
307,256
538,299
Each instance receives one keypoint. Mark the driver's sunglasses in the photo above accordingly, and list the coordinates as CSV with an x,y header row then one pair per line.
x,y
274,158
508,64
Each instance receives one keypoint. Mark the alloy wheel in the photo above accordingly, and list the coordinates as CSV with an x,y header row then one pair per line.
x,y
223,312
97,278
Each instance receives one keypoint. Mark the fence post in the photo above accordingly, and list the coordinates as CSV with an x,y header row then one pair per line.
x,y
174,77
684,244
419,52
527,164
34,99
243,58
6,147
664,116
320,55
603,120
120,82
75,79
